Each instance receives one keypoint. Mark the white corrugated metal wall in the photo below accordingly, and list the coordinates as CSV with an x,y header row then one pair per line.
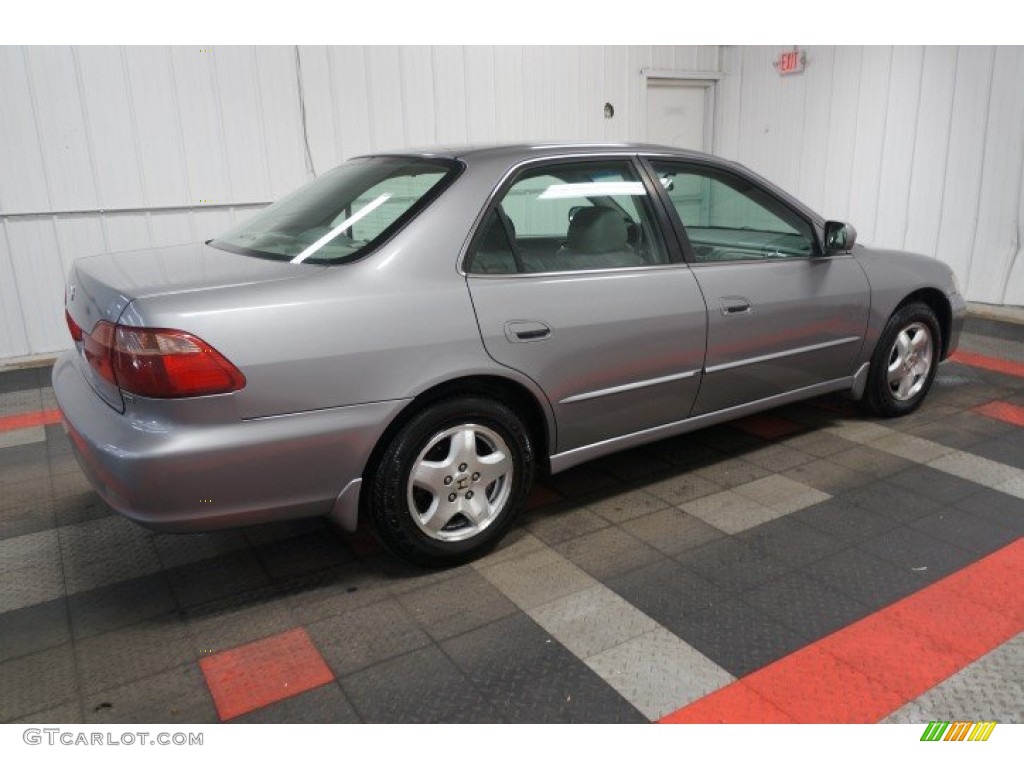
x,y
117,148
920,148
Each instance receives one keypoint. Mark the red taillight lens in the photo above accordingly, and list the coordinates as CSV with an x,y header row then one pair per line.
x,y
98,347
160,362
75,328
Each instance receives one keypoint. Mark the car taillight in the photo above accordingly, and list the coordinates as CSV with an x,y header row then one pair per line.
x,y
159,362
75,328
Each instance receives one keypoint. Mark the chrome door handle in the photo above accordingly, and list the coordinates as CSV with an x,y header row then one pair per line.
x,y
734,305
527,330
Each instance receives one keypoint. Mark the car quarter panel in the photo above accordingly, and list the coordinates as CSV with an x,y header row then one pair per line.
x,y
175,465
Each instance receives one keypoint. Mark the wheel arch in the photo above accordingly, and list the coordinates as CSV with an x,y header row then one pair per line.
x,y
939,304
500,388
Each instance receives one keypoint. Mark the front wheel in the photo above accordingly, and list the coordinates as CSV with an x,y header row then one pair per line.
x,y
904,362
451,480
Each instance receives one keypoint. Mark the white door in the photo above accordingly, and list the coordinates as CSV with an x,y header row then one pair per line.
x,y
677,114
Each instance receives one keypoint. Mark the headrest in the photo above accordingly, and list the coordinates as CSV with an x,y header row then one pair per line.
x,y
597,230
495,239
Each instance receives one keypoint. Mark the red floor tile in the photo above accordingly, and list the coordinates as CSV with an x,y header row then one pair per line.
x,y
31,419
997,409
869,669
252,676
735,703
998,364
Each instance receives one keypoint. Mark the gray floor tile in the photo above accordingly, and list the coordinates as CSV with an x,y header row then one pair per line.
x,y
37,682
177,695
608,552
671,530
456,605
420,687
367,636
132,653
591,621
658,673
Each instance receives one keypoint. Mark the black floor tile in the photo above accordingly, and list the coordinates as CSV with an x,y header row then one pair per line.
x,y
119,605
790,541
940,487
896,504
732,564
962,529
1001,508
25,378
844,521
668,592
421,687
805,604
868,579
1007,448
911,548
33,628
740,638
326,704
528,677
303,554
218,577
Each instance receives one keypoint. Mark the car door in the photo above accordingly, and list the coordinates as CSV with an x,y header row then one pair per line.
x,y
781,316
575,285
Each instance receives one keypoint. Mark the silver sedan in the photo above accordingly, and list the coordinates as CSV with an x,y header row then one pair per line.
x,y
409,339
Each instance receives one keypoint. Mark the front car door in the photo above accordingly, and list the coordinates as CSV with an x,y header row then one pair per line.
x,y
782,317
575,285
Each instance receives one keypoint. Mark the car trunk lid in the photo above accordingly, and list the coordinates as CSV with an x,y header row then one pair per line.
x,y
101,287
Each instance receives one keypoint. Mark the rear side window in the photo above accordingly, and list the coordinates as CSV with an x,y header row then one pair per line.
x,y
570,217
344,213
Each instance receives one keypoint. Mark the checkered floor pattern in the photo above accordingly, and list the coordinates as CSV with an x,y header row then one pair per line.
x,y
726,575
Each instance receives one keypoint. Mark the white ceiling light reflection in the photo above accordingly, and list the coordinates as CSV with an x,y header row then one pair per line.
x,y
366,210
593,189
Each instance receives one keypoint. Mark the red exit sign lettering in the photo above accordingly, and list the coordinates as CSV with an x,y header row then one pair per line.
x,y
791,62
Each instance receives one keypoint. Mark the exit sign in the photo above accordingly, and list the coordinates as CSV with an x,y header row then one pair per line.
x,y
791,62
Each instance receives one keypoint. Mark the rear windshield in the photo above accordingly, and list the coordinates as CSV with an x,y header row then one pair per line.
x,y
344,213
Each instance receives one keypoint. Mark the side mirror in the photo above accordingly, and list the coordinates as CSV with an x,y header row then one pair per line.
x,y
839,237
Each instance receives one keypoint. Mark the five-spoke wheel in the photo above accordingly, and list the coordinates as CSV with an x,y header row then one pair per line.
x,y
904,362
451,479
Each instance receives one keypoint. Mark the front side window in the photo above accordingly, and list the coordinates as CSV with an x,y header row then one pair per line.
x,y
344,213
570,217
728,218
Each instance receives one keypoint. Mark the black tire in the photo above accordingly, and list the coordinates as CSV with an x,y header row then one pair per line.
x,y
397,509
882,398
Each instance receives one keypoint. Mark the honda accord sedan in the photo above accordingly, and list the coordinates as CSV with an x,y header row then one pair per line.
x,y
407,340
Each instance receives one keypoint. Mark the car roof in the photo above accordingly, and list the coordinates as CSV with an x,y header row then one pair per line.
x,y
528,151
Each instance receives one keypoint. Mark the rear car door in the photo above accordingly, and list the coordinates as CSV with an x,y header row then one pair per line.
x,y
781,316
575,285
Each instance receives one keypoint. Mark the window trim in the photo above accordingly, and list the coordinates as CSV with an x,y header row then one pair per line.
x,y
648,160
660,219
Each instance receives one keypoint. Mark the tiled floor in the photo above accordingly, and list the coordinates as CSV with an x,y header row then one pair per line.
x,y
700,576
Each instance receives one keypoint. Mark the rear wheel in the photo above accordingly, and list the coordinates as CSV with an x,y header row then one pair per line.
x,y
904,362
451,481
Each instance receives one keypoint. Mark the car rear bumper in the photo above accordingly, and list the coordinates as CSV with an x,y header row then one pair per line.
x,y
195,476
